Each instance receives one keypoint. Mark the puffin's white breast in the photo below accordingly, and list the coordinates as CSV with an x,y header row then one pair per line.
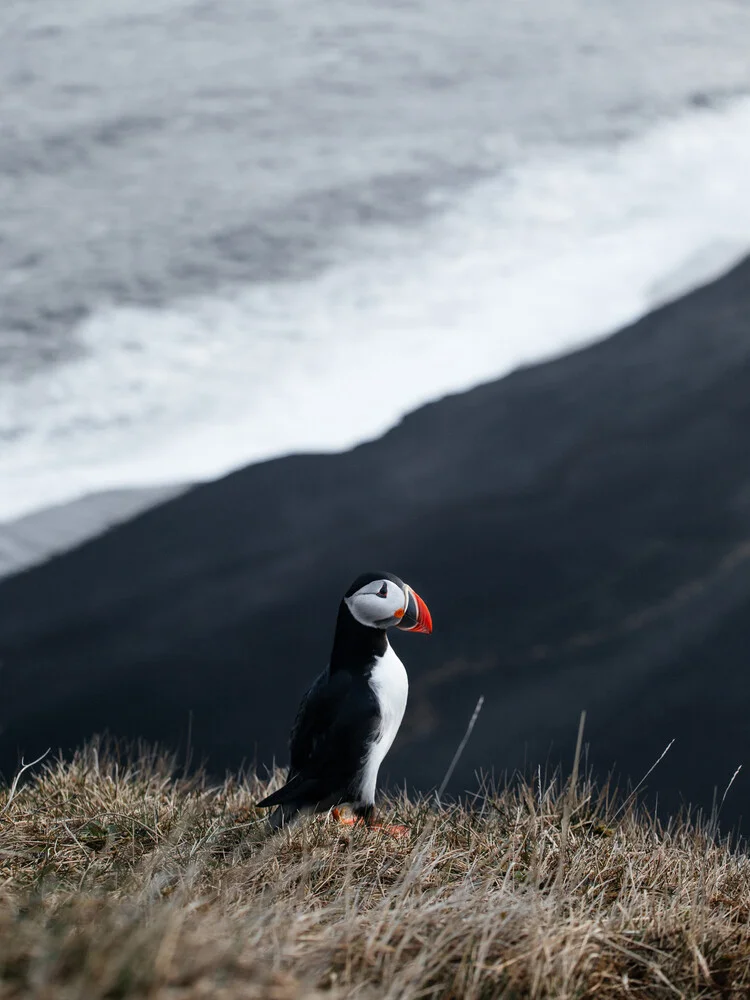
x,y
390,684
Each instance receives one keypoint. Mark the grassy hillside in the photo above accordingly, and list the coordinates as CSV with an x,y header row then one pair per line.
x,y
120,879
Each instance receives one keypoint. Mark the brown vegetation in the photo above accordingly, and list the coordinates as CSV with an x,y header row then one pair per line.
x,y
120,879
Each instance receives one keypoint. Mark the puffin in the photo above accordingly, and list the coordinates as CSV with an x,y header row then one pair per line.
x,y
349,717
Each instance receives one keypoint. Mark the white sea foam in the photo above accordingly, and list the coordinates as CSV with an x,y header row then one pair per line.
x,y
554,254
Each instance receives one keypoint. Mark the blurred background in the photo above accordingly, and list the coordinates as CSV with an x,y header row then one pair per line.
x,y
232,232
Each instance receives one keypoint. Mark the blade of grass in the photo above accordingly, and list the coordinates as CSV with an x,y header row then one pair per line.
x,y
459,751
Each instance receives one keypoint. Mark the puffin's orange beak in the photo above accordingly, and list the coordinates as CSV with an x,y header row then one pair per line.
x,y
416,617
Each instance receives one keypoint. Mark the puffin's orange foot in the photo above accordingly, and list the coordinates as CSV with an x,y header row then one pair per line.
x,y
339,817
393,831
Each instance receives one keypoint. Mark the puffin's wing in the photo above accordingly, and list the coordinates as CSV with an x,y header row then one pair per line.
x,y
320,708
334,724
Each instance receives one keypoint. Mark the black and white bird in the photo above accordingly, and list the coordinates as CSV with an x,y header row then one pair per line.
x,y
349,717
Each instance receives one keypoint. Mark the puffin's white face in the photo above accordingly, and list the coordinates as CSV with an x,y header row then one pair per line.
x,y
385,604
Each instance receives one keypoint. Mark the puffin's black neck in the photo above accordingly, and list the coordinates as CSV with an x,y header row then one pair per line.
x,y
355,645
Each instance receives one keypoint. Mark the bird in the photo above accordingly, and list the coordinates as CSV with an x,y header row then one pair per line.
x,y
349,717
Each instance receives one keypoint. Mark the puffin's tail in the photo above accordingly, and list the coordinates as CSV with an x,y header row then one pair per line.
x,y
287,801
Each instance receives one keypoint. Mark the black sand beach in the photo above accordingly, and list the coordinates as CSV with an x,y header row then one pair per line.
x,y
580,530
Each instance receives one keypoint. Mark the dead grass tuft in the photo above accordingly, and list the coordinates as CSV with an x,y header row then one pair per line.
x,y
120,879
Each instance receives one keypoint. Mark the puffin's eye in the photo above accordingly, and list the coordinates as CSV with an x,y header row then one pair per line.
x,y
383,592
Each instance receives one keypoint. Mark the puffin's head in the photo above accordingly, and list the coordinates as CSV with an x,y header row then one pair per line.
x,y
382,600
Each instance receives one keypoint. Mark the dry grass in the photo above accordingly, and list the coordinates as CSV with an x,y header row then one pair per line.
x,y
120,880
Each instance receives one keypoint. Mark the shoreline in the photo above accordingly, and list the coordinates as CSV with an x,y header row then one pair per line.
x,y
33,538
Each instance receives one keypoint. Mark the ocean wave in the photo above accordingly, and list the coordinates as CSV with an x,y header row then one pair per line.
x,y
548,256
